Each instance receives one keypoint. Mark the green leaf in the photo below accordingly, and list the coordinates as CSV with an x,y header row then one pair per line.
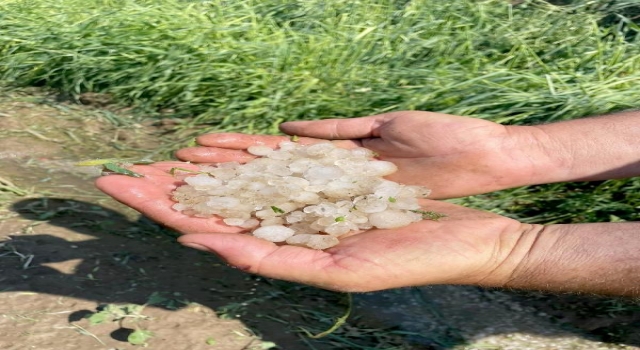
x,y
429,215
173,171
277,210
133,309
156,299
339,219
99,317
95,162
392,200
120,170
210,341
139,337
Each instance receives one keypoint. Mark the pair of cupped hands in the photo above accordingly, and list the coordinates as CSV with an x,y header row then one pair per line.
x,y
454,156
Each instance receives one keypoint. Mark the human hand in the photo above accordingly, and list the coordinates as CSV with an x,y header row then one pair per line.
x,y
465,247
453,156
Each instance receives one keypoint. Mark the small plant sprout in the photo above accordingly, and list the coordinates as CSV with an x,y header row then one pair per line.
x,y
116,166
121,314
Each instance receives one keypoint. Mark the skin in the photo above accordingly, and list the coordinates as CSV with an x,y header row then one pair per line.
x,y
455,156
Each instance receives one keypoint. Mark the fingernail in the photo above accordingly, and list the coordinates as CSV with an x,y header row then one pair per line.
x,y
196,246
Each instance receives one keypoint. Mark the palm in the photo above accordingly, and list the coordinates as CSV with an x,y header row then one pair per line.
x,y
458,247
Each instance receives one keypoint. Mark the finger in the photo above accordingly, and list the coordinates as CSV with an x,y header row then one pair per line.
x,y
221,155
254,255
213,155
336,129
151,195
165,167
243,141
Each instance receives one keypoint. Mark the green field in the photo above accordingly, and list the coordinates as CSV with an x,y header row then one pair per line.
x,y
248,65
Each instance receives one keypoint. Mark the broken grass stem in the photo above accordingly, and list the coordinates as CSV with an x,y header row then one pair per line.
x,y
339,322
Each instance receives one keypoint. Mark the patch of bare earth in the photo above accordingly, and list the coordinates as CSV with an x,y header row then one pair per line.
x,y
68,253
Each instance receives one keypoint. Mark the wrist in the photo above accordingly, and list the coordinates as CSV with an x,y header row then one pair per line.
x,y
507,265
588,149
598,258
539,158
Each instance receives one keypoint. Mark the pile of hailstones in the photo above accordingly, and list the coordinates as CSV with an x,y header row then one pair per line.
x,y
304,195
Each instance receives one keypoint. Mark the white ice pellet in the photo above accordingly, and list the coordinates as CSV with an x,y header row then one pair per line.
x,y
313,241
179,207
274,233
223,202
360,152
250,223
259,150
371,204
387,189
320,149
272,221
202,181
283,155
306,195
390,219
322,174
295,216
380,168
340,228
234,221
302,164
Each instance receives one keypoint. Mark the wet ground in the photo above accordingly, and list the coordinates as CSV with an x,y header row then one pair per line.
x,y
68,253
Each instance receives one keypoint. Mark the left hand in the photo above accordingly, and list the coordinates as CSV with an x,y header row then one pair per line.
x,y
465,247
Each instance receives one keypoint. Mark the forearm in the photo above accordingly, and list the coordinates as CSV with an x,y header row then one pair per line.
x,y
600,258
595,148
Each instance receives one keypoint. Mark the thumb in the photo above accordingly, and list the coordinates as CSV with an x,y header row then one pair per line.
x,y
264,258
336,129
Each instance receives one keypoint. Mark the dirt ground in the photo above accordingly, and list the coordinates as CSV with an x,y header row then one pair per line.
x,y
69,256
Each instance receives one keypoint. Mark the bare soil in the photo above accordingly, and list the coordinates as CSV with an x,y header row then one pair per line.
x,y
67,252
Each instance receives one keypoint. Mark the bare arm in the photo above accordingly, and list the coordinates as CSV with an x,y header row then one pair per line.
x,y
596,148
458,156
600,258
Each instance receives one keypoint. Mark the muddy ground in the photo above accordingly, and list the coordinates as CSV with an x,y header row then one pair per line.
x,y
69,256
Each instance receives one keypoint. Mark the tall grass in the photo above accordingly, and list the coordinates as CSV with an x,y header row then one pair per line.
x,y
249,64
246,65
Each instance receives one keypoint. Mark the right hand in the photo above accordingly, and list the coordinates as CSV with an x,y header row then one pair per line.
x,y
454,156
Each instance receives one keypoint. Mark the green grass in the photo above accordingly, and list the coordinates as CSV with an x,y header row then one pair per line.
x,y
603,201
247,65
